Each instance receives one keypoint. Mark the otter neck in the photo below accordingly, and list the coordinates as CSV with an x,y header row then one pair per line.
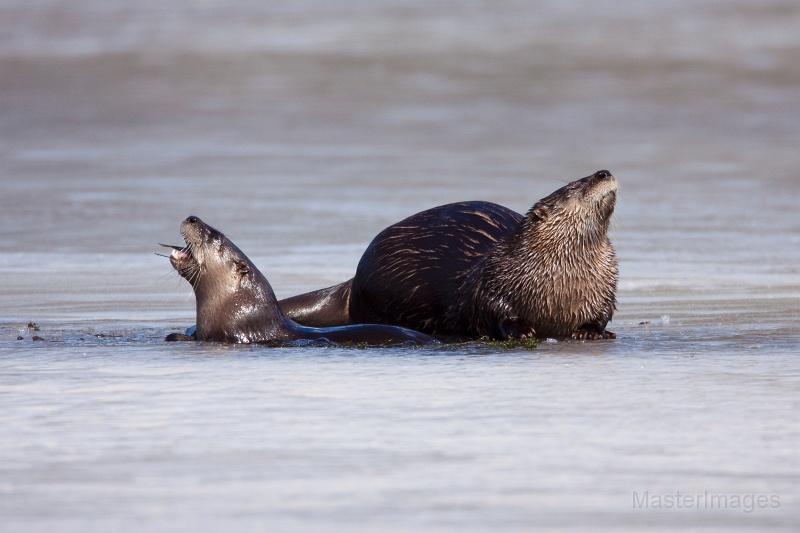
x,y
540,246
251,312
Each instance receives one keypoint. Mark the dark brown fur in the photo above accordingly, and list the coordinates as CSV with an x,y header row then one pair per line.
x,y
477,269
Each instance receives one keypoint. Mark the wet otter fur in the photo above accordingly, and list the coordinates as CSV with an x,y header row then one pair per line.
x,y
236,304
477,269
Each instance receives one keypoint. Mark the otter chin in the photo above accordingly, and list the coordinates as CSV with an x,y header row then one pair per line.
x,y
478,269
236,304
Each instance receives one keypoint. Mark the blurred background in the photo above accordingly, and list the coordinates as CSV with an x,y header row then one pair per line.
x,y
301,129
313,122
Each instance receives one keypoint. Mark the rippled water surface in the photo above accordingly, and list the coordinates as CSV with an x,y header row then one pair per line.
x,y
303,130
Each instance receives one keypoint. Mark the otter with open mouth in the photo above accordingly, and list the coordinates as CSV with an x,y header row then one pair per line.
x,y
478,269
235,303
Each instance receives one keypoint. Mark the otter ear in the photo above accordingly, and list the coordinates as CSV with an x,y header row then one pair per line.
x,y
241,267
540,211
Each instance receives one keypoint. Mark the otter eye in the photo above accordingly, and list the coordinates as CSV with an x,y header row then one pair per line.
x,y
242,268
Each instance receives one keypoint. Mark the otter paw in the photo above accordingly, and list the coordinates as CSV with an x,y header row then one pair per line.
x,y
514,328
590,334
522,335
580,335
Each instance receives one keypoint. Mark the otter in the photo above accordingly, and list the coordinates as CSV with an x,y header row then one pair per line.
x,y
235,302
477,269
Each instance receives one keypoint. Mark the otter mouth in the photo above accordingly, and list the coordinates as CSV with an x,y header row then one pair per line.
x,y
179,253
183,261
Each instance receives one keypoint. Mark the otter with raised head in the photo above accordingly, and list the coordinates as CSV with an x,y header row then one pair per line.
x,y
478,269
235,303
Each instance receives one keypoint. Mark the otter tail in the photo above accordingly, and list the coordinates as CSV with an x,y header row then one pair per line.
x,y
322,308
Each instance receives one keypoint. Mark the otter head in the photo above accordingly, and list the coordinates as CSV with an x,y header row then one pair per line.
x,y
233,298
578,212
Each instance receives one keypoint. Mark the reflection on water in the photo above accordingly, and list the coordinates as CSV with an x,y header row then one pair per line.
x,y
301,130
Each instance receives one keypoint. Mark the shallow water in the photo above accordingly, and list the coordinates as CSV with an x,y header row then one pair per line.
x,y
301,132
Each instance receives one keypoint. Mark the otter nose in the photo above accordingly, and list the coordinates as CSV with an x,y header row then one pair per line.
x,y
602,174
192,219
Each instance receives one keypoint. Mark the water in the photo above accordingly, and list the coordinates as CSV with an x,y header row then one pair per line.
x,y
303,130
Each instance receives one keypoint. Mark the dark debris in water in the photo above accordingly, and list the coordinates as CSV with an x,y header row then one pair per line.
x,y
79,336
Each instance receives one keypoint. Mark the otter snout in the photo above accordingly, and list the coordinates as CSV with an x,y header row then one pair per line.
x,y
602,175
200,237
193,230
191,220
600,184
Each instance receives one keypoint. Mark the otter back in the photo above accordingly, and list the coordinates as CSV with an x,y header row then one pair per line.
x,y
412,272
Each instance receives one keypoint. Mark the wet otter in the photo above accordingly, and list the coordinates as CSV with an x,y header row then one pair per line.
x,y
235,303
477,269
